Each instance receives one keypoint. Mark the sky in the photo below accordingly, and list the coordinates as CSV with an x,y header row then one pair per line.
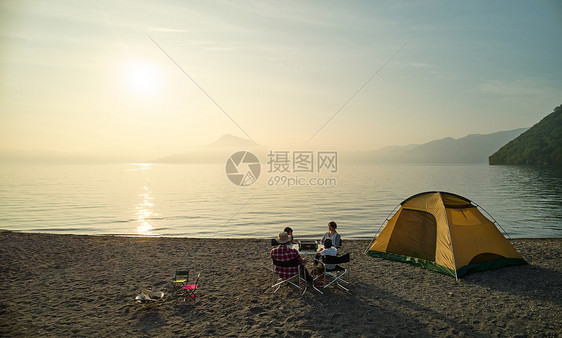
x,y
153,78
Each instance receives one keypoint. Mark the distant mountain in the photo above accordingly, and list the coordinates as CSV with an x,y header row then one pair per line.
x,y
473,149
216,152
228,140
540,145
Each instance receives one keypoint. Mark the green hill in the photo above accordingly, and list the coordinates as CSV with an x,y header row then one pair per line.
x,y
540,145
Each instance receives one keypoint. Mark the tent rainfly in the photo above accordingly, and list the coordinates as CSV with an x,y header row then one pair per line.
x,y
444,232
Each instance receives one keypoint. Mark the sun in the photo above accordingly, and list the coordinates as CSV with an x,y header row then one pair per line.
x,y
141,78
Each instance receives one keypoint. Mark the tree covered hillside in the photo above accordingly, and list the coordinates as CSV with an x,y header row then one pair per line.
x,y
540,145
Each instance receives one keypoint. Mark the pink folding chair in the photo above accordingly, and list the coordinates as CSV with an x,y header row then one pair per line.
x,y
190,289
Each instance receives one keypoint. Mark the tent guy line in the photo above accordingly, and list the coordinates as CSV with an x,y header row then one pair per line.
x,y
198,86
233,215
361,88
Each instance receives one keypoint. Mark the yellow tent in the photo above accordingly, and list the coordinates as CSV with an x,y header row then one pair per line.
x,y
444,232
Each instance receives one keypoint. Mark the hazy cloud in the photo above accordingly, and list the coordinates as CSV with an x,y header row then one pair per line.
x,y
520,87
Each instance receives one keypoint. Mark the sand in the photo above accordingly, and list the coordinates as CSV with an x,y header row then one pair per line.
x,y
67,285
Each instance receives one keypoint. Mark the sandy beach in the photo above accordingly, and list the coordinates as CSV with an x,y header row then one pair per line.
x,y
68,285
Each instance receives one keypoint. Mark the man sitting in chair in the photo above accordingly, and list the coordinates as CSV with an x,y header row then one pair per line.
x,y
283,253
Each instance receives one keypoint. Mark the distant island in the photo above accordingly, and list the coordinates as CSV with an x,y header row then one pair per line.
x,y
540,145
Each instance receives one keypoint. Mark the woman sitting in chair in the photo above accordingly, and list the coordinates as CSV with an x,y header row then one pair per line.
x,y
332,235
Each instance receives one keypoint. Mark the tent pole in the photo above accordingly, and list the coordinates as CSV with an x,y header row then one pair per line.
x,y
379,230
450,238
495,222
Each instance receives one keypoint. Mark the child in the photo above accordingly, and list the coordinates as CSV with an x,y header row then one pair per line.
x,y
289,231
328,250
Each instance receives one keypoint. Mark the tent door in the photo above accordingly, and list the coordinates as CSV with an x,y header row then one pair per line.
x,y
414,235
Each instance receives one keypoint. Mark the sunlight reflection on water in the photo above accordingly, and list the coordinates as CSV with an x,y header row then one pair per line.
x,y
145,207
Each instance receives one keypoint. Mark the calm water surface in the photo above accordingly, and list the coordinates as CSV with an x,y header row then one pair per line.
x,y
199,200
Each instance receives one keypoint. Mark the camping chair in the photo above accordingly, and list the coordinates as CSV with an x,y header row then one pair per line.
x,y
334,275
190,289
181,277
296,280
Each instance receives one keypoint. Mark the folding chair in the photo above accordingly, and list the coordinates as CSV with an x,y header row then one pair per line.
x,y
190,289
181,277
296,280
335,274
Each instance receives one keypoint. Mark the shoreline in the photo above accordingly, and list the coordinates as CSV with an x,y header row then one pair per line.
x,y
85,285
213,238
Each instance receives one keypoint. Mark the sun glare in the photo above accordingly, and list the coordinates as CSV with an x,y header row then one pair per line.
x,y
141,78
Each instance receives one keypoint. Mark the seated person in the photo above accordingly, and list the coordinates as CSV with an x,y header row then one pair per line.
x,y
328,250
283,253
332,235
289,231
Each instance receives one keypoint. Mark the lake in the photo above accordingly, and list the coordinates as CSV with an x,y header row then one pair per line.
x,y
200,201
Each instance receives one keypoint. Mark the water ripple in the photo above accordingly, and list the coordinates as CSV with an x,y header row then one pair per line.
x,y
199,201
